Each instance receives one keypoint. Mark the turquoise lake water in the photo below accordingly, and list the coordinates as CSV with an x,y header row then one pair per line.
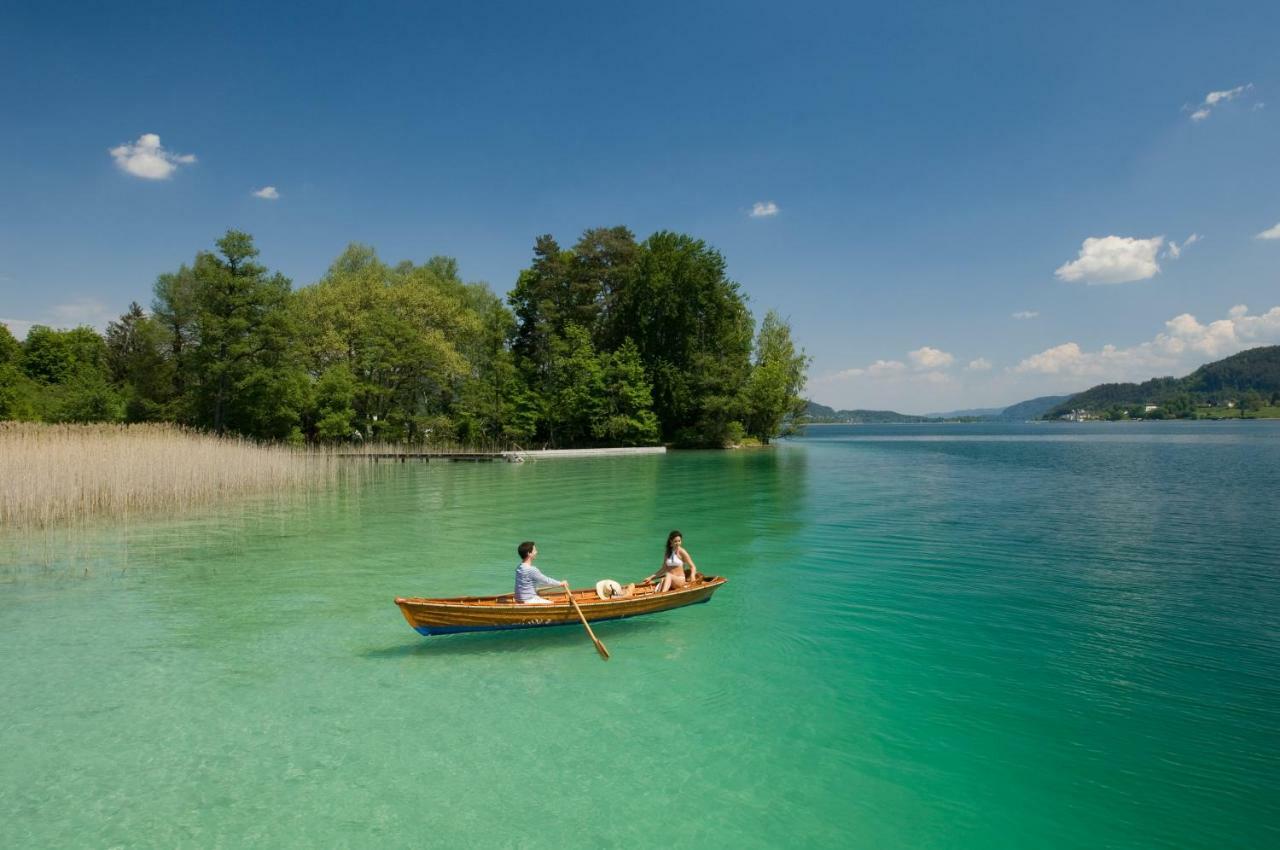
x,y
961,636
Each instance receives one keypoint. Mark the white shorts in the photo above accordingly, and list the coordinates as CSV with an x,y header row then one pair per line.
x,y
537,600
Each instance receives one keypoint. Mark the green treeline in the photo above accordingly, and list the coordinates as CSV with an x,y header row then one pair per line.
x,y
1249,381
610,342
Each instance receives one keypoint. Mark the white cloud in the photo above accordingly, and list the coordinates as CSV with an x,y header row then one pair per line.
x,y
764,209
268,193
1270,233
1175,250
878,369
1184,344
1113,259
982,364
148,159
886,368
930,358
1026,314
1214,98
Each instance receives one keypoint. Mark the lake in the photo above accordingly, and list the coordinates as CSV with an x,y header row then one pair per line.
x,y
954,636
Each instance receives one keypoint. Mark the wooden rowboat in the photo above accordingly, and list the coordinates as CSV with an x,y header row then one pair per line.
x,y
494,613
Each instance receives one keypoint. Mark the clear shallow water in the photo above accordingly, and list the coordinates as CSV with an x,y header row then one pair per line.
x,y
934,636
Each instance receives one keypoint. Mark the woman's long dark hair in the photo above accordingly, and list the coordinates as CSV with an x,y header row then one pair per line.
x,y
672,536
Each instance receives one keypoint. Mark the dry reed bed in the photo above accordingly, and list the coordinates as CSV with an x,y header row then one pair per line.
x,y
51,474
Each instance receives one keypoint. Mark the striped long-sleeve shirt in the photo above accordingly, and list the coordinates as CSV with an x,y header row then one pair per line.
x,y
528,579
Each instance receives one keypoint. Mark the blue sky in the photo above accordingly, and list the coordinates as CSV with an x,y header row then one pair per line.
x,y
933,170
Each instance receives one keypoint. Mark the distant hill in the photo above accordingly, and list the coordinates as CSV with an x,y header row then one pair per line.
x,y
820,413
1020,412
975,413
1218,382
1030,409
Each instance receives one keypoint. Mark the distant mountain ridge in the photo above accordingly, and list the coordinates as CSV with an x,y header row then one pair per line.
x,y
974,413
821,413
1022,411
1221,381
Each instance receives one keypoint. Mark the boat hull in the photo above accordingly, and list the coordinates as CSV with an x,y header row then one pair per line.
x,y
502,613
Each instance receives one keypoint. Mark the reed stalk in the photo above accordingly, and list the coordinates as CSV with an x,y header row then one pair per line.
x,y
52,474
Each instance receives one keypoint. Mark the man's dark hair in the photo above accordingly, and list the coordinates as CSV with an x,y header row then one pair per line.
x,y
524,549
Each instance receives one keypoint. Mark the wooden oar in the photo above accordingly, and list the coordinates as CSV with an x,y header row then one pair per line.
x,y
604,653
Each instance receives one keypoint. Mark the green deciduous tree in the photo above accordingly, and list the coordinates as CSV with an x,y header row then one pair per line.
x,y
400,332
777,378
18,392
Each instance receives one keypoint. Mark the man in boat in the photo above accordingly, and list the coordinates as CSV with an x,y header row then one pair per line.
x,y
529,578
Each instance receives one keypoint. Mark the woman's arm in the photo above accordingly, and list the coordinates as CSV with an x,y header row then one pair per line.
x,y
693,568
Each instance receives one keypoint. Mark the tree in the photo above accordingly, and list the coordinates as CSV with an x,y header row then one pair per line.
x,y
17,391
627,416
401,333
137,364
577,387
693,332
243,379
69,382
1251,402
174,312
602,266
1181,406
778,377
335,399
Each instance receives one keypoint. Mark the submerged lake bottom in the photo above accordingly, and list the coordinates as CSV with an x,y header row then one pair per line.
x,y
963,636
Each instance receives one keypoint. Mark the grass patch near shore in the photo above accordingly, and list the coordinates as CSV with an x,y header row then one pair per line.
x,y
53,474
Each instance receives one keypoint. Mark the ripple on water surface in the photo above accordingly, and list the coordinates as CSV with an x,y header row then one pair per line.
x,y
960,636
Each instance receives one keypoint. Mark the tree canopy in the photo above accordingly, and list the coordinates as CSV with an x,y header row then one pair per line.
x,y
609,342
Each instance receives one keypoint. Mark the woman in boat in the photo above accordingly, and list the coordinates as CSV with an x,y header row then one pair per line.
x,y
674,562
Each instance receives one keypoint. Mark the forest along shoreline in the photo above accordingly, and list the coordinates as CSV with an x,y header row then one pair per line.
x,y
611,342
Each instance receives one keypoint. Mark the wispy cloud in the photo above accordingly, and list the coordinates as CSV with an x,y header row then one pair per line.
x,y
1270,233
81,311
982,364
268,193
1175,250
1202,110
1183,342
1026,314
148,159
764,209
1113,259
72,314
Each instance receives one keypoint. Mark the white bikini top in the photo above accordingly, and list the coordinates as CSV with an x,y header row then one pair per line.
x,y
673,560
